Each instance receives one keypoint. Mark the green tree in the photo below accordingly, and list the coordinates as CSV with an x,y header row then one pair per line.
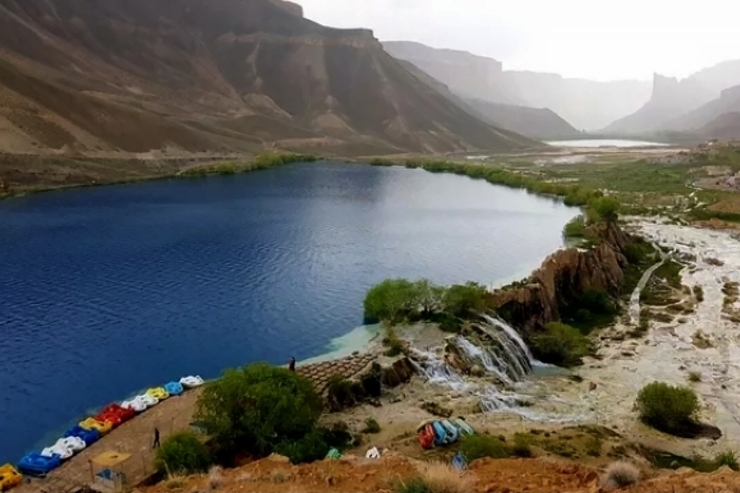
x,y
392,301
560,345
257,407
603,209
182,453
429,296
462,300
666,407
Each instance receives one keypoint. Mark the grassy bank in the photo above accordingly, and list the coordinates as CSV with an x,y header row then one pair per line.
x,y
262,161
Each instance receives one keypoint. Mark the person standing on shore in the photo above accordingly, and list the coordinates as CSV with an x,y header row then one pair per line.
x,y
291,364
156,438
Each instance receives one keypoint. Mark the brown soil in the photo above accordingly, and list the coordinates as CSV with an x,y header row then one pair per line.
x,y
352,474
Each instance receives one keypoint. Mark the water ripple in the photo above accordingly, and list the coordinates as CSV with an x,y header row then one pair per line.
x,y
105,291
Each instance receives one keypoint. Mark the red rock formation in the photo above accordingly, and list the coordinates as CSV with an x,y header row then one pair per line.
x,y
562,278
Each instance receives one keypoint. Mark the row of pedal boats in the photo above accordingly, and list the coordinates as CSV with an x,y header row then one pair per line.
x,y
89,430
437,433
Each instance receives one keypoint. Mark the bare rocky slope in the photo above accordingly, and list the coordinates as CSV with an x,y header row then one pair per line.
x,y
535,123
585,104
682,105
197,75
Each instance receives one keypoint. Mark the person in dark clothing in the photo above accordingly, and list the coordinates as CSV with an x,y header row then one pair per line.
x,y
291,364
156,438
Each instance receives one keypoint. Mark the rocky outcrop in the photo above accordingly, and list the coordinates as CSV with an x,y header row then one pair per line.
x,y
562,279
290,7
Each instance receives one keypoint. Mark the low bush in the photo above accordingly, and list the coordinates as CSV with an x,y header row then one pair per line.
x,y
560,345
311,447
479,446
667,408
339,393
575,228
371,426
522,446
393,343
438,478
728,458
619,475
182,453
694,377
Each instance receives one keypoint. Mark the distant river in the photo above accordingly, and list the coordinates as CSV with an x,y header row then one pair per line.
x,y
605,143
107,291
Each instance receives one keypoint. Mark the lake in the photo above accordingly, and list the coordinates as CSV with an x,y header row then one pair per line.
x,y
107,291
605,143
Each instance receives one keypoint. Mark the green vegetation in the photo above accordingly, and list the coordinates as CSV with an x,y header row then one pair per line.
x,y
437,478
560,345
394,344
667,408
394,301
575,228
371,426
590,310
698,293
258,409
670,272
262,161
182,453
478,446
666,460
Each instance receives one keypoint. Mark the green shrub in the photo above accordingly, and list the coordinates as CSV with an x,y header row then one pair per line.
x,y
393,342
372,381
560,345
478,446
371,426
256,407
694,377
575,228
392,301
667,408
522,446
603,209
340,393
182,453
462,300
728,458
311,447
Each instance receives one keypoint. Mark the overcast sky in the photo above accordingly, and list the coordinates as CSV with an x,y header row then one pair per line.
x,y
595,39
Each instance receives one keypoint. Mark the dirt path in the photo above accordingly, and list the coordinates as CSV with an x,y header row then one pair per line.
x,y
174,414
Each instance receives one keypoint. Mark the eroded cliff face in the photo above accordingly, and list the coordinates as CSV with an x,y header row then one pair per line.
x,y
562,279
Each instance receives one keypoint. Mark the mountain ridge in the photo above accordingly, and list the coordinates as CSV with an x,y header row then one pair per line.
x,y
192,75
583,103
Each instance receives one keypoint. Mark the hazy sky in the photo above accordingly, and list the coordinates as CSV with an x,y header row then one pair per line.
x,y
596,39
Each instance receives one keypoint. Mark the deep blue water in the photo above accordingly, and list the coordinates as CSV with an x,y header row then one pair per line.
x,y
110,290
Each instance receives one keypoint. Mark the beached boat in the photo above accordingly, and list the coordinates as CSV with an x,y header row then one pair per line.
x,y
191,381
426,437
36,464
440,435
88,436
115,414
102,427
174,388
464,427
158,393
9,477
452,431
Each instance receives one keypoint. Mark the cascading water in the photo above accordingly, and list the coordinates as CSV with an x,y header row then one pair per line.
x,y
503,355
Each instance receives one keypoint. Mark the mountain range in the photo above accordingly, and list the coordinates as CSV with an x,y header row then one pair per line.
x,y
687,105
586,105
202,75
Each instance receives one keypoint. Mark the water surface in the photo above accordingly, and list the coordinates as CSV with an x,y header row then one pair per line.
x,y
605,143
110,290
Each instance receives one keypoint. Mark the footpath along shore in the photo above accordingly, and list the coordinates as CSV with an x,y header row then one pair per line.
x,y
135,437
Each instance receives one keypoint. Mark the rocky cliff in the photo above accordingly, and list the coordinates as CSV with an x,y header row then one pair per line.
x,y
678,104
562,279
583,103
198,75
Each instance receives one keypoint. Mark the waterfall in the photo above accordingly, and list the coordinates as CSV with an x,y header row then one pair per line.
x,y
503,356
